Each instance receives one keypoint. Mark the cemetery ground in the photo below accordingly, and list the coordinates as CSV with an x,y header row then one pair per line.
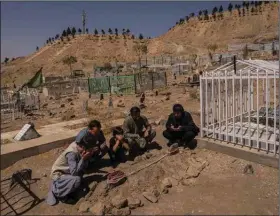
x,y
199,182
195,181
70,107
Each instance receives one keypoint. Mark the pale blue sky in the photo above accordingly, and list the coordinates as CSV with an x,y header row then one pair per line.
x,y
25,25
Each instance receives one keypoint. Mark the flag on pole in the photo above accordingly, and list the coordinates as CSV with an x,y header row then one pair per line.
x,y
35,81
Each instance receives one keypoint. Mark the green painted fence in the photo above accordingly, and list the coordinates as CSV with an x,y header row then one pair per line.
x,y
128,84
98,85
122,84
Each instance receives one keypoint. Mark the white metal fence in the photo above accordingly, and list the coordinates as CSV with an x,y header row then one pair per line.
x,y
241,106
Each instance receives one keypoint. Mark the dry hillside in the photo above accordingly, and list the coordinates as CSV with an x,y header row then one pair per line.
x,y
196,35
88,49
191,37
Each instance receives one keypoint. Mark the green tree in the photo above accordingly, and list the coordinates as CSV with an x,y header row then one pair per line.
x,y
47,41
230,7
206,17
116,32
110,31
187,18
214,11
127,31
103,32
200,15
141,36
69,60
221,9
256,4
211,49
252,10
37,48
95,32
238,8
140,48
87,30
260,6
68,31
6,60
64,33
247,6
181,21
80,31
73,32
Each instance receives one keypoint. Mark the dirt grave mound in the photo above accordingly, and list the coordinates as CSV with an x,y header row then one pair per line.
x,y
149,184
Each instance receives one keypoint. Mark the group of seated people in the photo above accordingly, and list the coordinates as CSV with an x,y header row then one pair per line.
x,y
127,141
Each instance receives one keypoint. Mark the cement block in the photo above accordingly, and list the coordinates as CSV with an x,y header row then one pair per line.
x,y
244,153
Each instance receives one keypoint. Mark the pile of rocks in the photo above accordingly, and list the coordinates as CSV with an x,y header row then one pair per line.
x,y
120,202
118,205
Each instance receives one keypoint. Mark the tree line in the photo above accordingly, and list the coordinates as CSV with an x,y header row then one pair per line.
x,y
72,32
218,13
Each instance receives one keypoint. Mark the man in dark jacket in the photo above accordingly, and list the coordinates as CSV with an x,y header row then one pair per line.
x,y
180,127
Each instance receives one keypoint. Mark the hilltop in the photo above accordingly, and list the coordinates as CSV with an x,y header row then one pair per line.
x,y
195,35
187,38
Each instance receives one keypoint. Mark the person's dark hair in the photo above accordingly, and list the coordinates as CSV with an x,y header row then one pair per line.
x,y
117,131
134,110
94,123
178,108
88,141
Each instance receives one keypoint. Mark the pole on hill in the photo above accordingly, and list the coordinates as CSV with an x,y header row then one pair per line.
x,y
279,76
84,21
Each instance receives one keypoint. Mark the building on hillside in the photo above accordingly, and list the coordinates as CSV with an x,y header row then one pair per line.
x,y
240,104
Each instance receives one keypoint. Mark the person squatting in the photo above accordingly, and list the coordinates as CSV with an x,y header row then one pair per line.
x,y
133,138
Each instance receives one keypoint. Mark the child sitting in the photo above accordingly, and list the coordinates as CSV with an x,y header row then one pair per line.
x,y
119,148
